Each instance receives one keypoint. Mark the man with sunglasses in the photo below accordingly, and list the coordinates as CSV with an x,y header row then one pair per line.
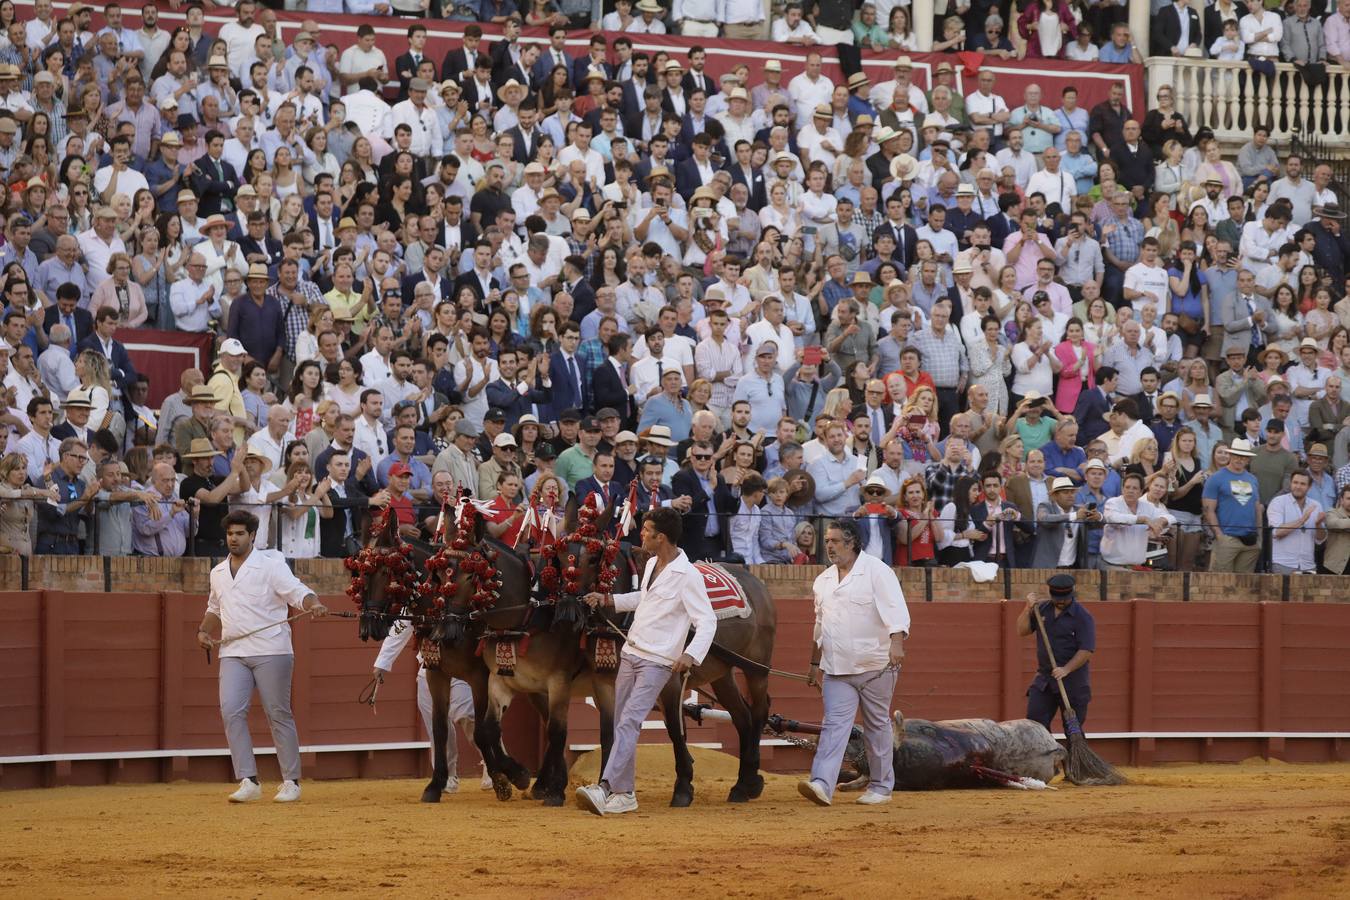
x,y
59,520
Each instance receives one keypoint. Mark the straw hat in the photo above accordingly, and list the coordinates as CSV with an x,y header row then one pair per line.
x,y
904,167
200,449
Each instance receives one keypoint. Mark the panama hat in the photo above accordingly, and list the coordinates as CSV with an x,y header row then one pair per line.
x,y
904,167
200,449
1241,447
202,394
658,435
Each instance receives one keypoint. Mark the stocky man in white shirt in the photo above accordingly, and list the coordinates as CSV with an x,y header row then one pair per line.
x,y
252,593
859,641
672,599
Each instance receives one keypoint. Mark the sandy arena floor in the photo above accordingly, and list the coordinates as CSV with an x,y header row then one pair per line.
x,y
1253,830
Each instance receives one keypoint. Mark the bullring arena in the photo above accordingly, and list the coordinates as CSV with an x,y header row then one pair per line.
x,y
1227,713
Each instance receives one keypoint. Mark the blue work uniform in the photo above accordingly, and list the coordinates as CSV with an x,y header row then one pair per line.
x,y
1070,631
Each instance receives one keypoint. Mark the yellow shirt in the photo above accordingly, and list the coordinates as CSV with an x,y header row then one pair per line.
x,y
228,399
343,305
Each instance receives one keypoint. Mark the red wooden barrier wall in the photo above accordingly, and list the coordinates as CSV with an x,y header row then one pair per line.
x,y
92,673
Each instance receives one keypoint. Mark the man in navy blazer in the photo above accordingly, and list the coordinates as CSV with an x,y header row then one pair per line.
x,y
607,383
567,373
505,393
1093,405
549,56
101,341
582,65
214,180
69,306
906,240
996,517
688,482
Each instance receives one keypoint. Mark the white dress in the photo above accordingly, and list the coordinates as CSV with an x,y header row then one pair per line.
x,y
299,537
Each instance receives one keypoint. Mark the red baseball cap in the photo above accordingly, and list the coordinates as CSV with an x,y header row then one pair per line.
x,y
399,468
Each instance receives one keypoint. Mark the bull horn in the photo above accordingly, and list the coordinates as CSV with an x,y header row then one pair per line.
x,y
898,728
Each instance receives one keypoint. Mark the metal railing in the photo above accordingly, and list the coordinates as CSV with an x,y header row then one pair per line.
x,y
1155,560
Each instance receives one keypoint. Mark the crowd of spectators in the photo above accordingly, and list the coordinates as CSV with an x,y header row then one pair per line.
x,y
993,328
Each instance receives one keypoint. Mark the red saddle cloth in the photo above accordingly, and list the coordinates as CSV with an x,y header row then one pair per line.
x,y
725,592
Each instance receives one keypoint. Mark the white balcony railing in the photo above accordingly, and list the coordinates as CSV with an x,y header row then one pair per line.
x,y
1231,99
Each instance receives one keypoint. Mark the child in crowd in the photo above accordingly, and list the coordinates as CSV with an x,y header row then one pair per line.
x,y
746,525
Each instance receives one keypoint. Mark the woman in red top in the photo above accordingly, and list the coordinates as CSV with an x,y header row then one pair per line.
x,y
507,512
918,534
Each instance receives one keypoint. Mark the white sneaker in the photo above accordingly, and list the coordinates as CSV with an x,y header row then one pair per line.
x,y
248,790
620,803
289,792
872,798
451,785
485,783
592,799
813,791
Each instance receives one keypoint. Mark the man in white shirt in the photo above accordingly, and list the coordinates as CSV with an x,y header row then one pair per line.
x,y
819,141
1053,183
422,119
858,643
473,375
809,89
370,437
192,299
1261,31
985,108
99,243
793,29
1146,281
1130,522
240,34
361,60
1014,157
251,590
672,599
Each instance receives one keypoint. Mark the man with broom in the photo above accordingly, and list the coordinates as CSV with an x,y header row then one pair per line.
x,y
1073,638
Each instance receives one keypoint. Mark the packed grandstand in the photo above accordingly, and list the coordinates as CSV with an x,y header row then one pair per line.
x,y
558,254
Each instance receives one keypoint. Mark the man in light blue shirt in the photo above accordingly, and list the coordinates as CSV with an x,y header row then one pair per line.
x,y
668,408
763,390
837,474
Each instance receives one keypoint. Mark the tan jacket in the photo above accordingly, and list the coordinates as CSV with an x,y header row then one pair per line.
x,y
1338,540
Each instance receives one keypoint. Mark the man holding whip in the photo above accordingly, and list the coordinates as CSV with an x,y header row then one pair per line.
x,y
859,641
250,593
671,599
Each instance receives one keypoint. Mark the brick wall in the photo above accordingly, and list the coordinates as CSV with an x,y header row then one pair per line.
x,y
327,576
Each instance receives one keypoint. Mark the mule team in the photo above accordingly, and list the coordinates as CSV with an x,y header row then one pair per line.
x,y
485,617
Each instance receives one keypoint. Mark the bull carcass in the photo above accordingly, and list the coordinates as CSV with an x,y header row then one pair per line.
x,y
934,756
967,753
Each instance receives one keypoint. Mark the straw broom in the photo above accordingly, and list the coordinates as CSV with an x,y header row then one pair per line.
x,y
1082,766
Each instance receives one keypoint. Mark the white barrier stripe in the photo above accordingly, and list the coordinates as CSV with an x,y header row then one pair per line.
x,y
766,742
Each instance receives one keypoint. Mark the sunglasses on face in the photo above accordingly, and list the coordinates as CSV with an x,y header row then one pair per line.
x,y
702,456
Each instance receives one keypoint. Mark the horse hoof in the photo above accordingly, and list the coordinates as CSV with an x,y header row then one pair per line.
x,y
431,795
519,777
739,794
682,798
755,787
551,800
501,786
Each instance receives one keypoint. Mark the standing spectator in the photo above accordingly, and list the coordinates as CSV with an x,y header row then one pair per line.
x,y
59,521
1130,522
1233,509
161,524
1298,523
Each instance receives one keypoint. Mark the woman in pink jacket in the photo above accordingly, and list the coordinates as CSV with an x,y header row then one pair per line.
x,y
122,292
1079,365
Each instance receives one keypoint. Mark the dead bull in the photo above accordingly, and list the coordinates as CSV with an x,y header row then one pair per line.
x,y
967,753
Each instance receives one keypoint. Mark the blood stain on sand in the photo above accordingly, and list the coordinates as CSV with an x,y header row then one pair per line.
x,y
1209,830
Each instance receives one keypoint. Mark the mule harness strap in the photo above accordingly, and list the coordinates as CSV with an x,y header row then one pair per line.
x,y
727,656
